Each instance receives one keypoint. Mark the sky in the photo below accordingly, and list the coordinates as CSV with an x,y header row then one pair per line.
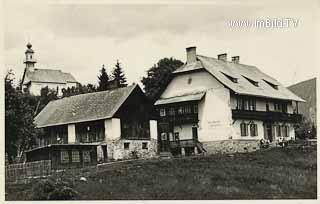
x,y
79,37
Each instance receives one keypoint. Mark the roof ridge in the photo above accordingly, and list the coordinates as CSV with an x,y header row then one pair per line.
x,y
96,92
251,66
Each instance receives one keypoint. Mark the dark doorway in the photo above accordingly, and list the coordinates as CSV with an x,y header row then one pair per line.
x,y
165,143
268,132
195,133
105,152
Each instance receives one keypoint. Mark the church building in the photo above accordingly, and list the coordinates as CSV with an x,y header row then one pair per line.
x,y
35,79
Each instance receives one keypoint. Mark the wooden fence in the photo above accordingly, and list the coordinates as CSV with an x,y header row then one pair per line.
x,y
25,171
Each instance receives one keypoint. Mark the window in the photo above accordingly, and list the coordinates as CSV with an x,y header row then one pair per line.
x,y
277,106
189,80
278,129
162,112
244,129
244,103
180,110
284,108
163,136
176,136
253,129
233,79
187,109
75,156
252,104
195,108
272,84
286,130
86,156
171,111
64,156
126,145
253,82
144,145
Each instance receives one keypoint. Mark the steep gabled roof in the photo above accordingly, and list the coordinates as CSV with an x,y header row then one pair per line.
x,y
83,107
47,75
242,79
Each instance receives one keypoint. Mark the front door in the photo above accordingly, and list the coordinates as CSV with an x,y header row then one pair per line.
x,y
269,132
195,133
165,143
105,152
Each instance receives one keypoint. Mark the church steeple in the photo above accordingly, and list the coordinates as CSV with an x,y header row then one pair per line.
x,y
30,60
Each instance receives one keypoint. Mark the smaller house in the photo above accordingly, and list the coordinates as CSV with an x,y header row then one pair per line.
x,y
108,125
35,79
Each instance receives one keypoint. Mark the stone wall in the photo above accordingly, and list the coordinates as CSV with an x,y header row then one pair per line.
x,y
231,146
116,149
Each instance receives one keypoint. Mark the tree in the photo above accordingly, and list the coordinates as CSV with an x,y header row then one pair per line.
x,y
119,76
20,132
159,76
103,80
80,89
305,129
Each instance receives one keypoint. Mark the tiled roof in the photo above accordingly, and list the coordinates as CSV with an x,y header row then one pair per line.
x,y
84,107
48,75
185,97
223,71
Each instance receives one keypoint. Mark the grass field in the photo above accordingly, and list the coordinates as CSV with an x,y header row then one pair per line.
x,y
288,173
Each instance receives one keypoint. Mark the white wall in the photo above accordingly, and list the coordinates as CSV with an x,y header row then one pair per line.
x,y
215,116
35,87
71,133
153,129
236,131
112,128
185,131
199,81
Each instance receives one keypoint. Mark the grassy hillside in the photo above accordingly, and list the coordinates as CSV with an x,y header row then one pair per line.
x,y
289,173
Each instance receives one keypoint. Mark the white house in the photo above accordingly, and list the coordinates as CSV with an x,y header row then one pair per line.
x,y
35,79
215,105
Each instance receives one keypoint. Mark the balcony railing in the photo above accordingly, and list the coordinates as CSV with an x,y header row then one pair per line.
x,y
180,119
266,116
183,143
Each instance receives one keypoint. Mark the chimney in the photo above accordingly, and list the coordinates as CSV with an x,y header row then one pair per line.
x,y
235,59
222,57
191,54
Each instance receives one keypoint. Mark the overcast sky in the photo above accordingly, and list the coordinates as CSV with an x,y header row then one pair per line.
x,y
79,38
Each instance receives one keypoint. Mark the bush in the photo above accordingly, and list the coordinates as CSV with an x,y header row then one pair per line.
x,y
54,188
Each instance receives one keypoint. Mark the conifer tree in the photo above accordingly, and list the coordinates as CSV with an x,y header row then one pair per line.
x,y
103,82
119,76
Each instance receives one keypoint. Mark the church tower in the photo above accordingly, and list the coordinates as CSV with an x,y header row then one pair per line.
x,y
30,60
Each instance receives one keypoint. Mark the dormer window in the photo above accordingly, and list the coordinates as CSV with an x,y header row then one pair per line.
x,y
272,84
233,79
255,83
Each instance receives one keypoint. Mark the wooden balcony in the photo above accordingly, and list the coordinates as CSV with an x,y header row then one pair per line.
x,y
180,119
183,143
266,116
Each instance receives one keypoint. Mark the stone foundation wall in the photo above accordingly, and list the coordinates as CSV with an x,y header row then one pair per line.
x,y
231,146
116,149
